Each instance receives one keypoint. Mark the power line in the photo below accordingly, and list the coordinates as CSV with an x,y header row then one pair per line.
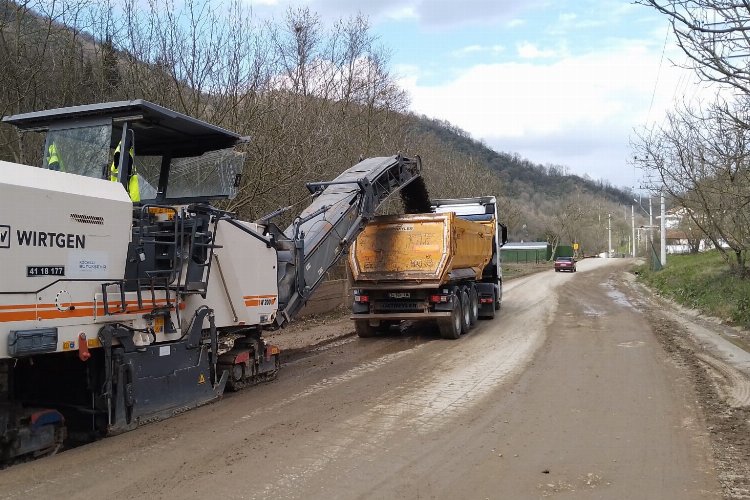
x,y
658,73
656,84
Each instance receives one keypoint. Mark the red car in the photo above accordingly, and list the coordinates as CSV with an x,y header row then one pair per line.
x,y
565,264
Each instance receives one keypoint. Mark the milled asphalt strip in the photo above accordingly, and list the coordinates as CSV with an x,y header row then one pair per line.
x,y
462,376
715,342
326,383
711,340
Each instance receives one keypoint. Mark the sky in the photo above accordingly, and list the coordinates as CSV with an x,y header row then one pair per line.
x,y
564,82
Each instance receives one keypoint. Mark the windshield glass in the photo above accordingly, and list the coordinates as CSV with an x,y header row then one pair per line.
x,y
212,175
80,150
462,210
147,168
477,218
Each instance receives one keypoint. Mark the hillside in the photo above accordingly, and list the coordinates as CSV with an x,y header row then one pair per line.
x,y
539,202
519,174
313,98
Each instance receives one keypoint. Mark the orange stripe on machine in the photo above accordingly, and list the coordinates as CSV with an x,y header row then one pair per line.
x,y
259,300
35,312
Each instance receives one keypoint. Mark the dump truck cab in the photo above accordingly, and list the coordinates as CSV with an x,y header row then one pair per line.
x,y
482,209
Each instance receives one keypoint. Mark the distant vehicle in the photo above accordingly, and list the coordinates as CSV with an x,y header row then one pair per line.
x,y
565,264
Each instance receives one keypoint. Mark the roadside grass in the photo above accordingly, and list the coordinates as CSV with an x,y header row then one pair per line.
x,y
518,269
703,282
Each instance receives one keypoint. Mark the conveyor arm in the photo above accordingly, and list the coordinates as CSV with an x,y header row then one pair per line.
x,y
324,230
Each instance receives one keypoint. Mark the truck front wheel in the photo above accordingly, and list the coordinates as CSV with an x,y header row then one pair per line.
x,y
450,328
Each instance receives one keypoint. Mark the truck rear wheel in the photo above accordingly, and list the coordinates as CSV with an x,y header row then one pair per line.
x,y
474,301
364,329
465,312
450,328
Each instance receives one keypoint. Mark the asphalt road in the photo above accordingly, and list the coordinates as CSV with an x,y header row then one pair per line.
x,y
566,394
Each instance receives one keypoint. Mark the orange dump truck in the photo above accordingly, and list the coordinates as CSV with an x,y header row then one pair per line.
x,y
442,266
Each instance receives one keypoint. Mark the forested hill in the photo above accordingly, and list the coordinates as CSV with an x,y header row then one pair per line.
x,y
520,175
313,97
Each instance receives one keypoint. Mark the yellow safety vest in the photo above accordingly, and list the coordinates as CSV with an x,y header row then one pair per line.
x,y
53,160
133,188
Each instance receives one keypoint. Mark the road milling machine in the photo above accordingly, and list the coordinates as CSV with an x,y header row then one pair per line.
x,y
114,313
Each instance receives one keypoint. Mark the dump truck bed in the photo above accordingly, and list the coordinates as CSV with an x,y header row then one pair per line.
x,y
420,251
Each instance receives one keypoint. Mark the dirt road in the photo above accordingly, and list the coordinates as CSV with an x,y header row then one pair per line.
x,y
568,393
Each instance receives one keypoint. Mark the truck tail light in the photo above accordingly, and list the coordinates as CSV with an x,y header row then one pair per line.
x,y
438,298
485,300
362,299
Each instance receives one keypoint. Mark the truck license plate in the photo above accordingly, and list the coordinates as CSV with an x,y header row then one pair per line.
x,y
399,295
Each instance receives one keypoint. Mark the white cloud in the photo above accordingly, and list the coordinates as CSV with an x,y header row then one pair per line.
x,y
409,73
265,4
577,111
528,50
400,13
433,13
469,49
449,13
514,23
477,49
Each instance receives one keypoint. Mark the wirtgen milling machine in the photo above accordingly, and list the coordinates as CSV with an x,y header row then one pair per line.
x,y
114,313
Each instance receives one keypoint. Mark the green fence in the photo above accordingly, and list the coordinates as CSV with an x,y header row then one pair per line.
x,y
524,255
654,259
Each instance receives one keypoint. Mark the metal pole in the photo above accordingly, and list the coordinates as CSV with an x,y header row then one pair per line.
x,y
609,236
650,221
663,232
632,219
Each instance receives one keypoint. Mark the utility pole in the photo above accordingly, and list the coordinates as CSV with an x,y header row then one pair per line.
x,y
632,220
609,236
650,220
650,213
663,232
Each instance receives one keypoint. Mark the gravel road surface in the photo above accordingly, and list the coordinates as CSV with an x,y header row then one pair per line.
x,y
571,392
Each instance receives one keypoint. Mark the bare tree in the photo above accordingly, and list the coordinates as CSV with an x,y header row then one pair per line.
x,y
715,36
47,50
700,158
564,219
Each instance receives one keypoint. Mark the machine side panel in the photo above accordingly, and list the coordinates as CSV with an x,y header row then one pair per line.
x,y
55,226
61,236
242,288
